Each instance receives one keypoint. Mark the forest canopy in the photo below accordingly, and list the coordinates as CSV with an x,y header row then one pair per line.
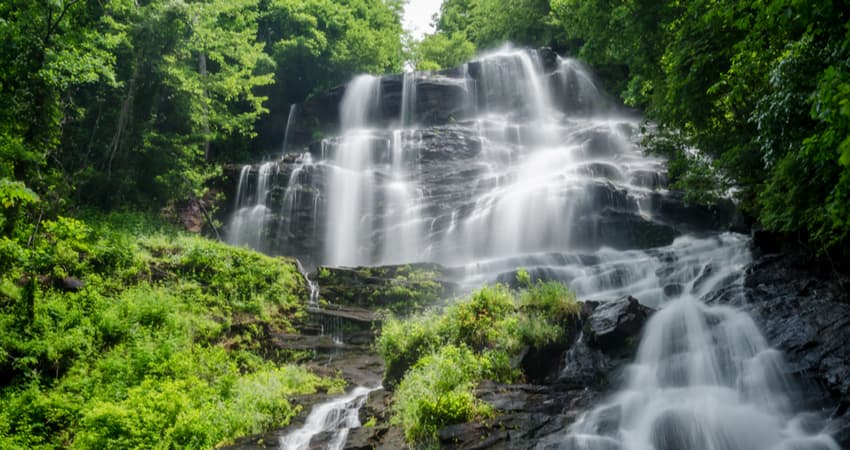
x,y
138,104
121,102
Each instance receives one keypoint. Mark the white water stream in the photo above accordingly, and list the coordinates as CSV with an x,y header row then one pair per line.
x,y
335,417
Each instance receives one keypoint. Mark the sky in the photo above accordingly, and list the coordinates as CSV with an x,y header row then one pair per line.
x,y
417,16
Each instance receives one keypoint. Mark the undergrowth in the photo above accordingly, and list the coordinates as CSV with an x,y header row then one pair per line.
x,y
119,331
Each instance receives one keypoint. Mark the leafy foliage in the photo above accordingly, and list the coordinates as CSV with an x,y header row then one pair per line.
x,y
435,359
158,329
438,391
441,51
119,102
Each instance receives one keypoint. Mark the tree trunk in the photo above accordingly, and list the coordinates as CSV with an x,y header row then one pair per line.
x,y
124,119
202,69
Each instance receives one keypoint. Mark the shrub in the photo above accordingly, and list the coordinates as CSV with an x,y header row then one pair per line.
x,y
436,358
438,391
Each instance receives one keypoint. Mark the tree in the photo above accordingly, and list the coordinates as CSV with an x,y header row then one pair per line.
x,y
440,51
492,23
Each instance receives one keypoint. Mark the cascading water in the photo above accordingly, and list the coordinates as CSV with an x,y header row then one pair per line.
x,y
351,186
402,220
335,417
704,377
408,99
252,213
539,169
290,122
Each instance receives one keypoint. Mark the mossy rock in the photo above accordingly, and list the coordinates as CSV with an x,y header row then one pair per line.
x,y
401,289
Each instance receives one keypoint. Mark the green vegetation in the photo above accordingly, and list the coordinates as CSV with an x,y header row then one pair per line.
x,y
463,26
119,102
121,332
435,359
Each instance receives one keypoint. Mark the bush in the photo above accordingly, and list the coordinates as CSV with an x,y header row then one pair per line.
x,y
435,359
438,391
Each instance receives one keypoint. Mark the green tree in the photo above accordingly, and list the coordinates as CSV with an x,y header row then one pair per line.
x,y
441,51
491,23
49,49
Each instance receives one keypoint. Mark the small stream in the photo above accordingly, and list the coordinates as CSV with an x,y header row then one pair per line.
x,y
335,416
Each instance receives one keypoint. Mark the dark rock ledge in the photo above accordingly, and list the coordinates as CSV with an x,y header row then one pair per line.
x,y
564,385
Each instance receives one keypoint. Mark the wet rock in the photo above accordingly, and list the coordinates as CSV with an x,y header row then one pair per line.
x,y
586,366
673,290
673,209
526,415
676,430
621,230
401,289
614,326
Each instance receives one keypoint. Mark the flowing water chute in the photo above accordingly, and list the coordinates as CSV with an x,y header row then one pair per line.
x,y
543,171
704,376
248,224
335,417
408,99
290,122
351,186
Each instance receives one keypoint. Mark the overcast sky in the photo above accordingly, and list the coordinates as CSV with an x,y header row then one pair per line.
x,y
417,16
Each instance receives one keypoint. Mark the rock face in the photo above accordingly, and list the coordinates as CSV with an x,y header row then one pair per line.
x,y
401,289
804,311
442,97
446,185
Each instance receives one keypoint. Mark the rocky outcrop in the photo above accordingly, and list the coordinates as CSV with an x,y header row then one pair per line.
x,y
614,326
440,98
400,289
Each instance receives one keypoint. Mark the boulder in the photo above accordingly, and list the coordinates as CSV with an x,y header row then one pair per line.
x,y
613,326
526,415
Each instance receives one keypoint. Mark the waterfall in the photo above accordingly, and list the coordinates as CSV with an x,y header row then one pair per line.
x,y
408,99
704,377
401,220
352,181
519,158
507,68
578,88
248,224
